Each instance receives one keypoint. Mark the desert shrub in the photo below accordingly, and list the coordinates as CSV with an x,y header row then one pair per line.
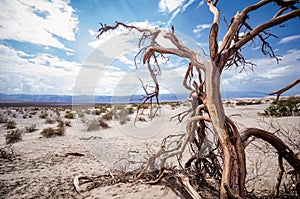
x,y
57,112
130,110
108,116
48,132
142,119
30,128
43,115
32,113
103,124
123,116
80,113
60,123
69,115
244,103
35,108
103,109
174,104
60,131
285,107
68,123
93,125
13,136
143,106
3,119
88,111
10,124
99,110
49,121
52,132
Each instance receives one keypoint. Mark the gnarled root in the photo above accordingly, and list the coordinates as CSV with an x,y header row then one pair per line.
x,y
184,180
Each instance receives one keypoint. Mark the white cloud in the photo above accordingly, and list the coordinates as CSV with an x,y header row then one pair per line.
x,y
199,29
38,22
92,33
35,73
267,75
289,39
169,5
173,7
201,3
126,61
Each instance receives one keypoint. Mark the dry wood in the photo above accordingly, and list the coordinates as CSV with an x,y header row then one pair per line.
x,y
7,152
279,92
91,138
77,184
188,187
282,149
279,177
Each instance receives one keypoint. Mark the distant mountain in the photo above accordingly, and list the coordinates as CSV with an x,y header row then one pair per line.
x,y
85,98
116,99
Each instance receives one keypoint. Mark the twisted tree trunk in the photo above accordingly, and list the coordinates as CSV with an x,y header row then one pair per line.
x,y
234,168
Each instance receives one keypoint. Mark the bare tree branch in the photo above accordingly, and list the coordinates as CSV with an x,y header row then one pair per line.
x,y
279,92
282,149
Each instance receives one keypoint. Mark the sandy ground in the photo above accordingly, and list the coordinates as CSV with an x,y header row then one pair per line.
x,y
41,168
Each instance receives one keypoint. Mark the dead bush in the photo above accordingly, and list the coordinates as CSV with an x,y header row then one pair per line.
x,y
10,124
52,132
7,152
93,125
13,136
30,128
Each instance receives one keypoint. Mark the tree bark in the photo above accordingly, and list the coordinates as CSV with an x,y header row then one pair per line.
x,y
233,175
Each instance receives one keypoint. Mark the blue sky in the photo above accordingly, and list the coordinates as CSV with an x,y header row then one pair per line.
x,y
49,47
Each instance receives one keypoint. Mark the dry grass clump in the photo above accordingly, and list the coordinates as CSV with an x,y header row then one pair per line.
x,y
43,115
49,121
174,105
246,103
52,132
93,125
13,136
10,124
123,115
142,119
2,119
69,115
68,123
62,123
30,128
103,124
108,116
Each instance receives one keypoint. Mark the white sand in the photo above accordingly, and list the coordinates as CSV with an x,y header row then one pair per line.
x,y
41,169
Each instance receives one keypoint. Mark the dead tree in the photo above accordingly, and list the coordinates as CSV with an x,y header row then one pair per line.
x,y
205,93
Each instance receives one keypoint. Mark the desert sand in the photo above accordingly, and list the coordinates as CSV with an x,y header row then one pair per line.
x,y
45,167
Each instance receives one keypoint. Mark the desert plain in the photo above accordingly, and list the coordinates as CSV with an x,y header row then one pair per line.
x,y
94,140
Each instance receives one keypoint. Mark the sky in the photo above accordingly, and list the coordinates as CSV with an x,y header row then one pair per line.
x,y
50,47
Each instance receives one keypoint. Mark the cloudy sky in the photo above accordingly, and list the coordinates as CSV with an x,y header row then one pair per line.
x,y
49,47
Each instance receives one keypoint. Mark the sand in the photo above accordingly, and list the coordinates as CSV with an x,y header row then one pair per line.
x,y
42,168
